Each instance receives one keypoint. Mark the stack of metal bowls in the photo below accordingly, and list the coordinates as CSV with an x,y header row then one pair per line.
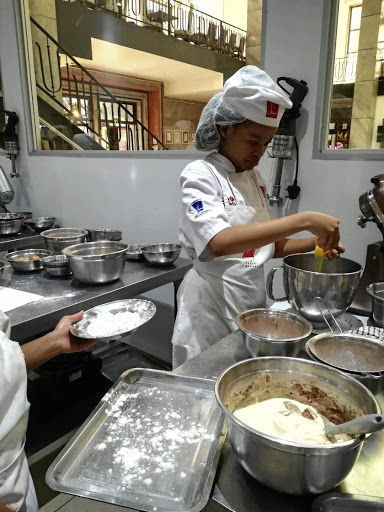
x,y
161,254
58,239
356,355
96,262
56,265
11,223
94,235
288,466
271,332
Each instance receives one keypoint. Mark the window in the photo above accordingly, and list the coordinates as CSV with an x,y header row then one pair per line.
x,y
355,110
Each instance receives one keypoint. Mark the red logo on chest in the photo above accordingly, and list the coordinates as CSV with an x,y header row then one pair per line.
x,y
272,110
249,254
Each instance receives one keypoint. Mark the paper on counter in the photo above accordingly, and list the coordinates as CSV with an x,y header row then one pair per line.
x,y
11,298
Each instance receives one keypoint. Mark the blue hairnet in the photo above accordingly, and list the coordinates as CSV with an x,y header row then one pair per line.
x,y
215,113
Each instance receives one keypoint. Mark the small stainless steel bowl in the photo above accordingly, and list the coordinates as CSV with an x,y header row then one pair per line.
x,y
57,265
283,465
40,223
21,260
94,235
26,215
96,262
162,253
376,292
134,252
271,332
58,239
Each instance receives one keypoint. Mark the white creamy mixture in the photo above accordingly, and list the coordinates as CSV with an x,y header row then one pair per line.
x,y
287,419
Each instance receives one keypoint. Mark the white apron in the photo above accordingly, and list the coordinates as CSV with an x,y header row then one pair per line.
x,y
214,292
16,486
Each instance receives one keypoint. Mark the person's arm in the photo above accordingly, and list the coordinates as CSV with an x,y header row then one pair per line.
x,y
59,341
237,239
288,246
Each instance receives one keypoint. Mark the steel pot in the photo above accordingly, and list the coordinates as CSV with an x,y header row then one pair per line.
x,y
283,465
58,239
336,285
270,332
11,223
376,292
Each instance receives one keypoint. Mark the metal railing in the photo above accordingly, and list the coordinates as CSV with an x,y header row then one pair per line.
x,y
178,20
73,91
344,71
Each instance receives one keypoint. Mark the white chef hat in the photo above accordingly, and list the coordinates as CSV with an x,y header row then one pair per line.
x,y
251,93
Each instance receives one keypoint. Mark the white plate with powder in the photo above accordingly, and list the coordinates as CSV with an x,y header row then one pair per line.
x,y
113,320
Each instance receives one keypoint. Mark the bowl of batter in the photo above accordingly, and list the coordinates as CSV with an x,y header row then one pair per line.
x,y
276,410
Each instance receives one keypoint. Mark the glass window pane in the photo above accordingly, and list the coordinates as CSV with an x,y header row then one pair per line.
x,y
355,17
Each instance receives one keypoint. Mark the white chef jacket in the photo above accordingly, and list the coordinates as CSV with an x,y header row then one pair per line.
x,y
16,486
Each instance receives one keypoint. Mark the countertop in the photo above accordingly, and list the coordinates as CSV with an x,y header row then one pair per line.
x,y
234,489
66,296
26,238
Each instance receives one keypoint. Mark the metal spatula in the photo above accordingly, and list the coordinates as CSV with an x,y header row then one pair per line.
x,y
364,425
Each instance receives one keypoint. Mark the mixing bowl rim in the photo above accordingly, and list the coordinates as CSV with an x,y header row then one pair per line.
x,y
371,293
35,219
57,238
275,312
95,257
323,273
177,248
283,443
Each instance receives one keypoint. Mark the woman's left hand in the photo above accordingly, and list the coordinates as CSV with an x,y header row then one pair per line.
x,y
64,340
334,254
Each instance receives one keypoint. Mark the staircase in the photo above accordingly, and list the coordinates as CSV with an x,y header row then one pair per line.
x,y
76,111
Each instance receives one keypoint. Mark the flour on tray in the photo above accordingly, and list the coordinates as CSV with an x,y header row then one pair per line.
x,y
108,324
150,446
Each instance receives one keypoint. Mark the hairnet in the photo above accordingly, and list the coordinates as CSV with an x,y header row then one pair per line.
x,y
248,94
214,114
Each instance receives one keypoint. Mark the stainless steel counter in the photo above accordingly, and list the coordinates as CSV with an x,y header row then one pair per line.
x,y
25,239
65,296
235,490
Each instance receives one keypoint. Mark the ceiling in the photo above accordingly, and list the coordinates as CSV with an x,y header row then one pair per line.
x,y
181,81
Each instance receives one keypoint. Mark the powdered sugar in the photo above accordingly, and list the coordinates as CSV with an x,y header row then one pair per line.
x,y
108,324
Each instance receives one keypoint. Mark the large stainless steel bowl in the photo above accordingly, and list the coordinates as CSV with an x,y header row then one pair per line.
x,y
11,223
270,332
376,292
96,262
58,239
283,465
161,254
335,285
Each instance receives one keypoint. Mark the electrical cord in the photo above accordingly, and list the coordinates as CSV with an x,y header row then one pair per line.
x,y
294,189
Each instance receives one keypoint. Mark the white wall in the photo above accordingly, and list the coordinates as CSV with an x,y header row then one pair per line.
x,y
140,195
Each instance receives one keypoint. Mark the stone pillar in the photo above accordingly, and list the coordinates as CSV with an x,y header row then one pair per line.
x,y
254,13
365,93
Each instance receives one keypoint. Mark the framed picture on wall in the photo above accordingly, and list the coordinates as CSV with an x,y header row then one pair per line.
x,y
192,136
176,136
168,136
185,137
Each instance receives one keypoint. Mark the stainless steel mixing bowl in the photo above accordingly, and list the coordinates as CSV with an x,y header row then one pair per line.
x,y
96,262
376,292
288,466
335,285
58,239
40,223
161,254
95,235
11,223
27,260
271,332
56,265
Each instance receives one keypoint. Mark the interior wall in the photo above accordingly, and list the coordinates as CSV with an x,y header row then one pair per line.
x,y
180,123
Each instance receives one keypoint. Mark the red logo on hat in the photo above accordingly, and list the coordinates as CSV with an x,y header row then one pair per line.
x,y
272,110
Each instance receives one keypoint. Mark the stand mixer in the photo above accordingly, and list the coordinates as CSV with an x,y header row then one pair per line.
x,y
372,207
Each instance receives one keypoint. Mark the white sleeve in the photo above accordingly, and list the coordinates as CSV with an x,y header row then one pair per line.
x,y
203,214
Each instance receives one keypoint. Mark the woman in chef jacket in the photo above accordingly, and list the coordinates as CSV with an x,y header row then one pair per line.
x,y
16,487
225,223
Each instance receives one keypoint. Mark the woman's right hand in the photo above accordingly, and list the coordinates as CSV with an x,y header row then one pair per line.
x,y
325,228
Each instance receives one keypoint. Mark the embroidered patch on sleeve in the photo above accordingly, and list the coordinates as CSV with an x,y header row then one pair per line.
x,y
196,208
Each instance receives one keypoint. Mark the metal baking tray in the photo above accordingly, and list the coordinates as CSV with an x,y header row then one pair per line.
x,y
153,444
339,502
